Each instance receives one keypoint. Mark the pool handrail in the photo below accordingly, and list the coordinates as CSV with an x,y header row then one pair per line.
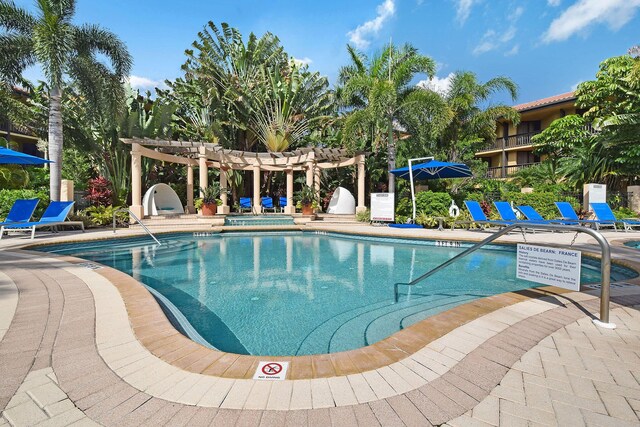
x,y
144,227
605,263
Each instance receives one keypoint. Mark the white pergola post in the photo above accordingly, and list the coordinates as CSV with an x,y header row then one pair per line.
x,y
361,181
291,207
136,182
224,209
316,181
190,208
203,172
309,167
257,206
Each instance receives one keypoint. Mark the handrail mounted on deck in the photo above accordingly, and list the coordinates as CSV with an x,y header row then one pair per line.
x,y
605,263
137,219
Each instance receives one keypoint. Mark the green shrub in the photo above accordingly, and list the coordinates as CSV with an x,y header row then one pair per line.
x,y
103,215
7,197
427,202
543,202
13,177
364,216
622,213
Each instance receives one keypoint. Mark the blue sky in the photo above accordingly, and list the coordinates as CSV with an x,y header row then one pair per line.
x,y
545,46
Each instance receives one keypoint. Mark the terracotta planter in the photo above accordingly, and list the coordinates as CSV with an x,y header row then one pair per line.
x,y
209,209
307,210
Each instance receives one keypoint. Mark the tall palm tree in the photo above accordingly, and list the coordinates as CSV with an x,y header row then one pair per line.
x,y
378,91
49,38
471,125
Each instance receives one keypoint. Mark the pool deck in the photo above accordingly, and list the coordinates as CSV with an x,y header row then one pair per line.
x,y
81,345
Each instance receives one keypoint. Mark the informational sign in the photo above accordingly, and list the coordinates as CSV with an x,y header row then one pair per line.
x,y
382,207
271,371
549,266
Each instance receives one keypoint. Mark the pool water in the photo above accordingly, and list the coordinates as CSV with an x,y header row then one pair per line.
x,y
633,244
302,293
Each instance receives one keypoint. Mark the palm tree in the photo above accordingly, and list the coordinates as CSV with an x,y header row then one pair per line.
x,y
231,71
470,125
377,93
287,105
62,49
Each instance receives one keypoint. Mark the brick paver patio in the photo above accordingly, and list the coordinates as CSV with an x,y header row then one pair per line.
x,y
69,356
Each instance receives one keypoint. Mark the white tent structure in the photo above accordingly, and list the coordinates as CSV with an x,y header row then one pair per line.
x,y
342,202
160,199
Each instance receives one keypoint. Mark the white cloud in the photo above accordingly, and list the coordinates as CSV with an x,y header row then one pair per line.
x,y
437,84
144,83
575,85
584,13
463,9
302,61
492,40
359,36
514,51
553,3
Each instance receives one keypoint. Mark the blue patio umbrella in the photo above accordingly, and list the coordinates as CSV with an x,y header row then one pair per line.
x,y
432,169
11,157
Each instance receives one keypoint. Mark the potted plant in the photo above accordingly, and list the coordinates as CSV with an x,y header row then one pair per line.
x,y
208,204
307,200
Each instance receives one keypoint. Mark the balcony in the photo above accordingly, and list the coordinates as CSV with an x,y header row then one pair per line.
x,y
511,141
497,172
8,127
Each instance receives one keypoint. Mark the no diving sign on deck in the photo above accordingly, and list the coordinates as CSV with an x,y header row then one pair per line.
x,y
271,371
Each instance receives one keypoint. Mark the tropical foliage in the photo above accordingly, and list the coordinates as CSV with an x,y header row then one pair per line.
x,y
603,144
64,52
380,98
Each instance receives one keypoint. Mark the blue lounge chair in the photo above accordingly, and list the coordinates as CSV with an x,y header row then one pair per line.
x,y
567,213
532,215
267,204
21,211
506,212
478,216
283,203
245,204
606,217
54,216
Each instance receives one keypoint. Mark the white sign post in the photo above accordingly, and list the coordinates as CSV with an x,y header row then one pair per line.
x,y
549,266
382,207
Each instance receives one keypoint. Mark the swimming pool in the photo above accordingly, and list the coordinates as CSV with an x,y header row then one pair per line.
x,y
303,293
633,244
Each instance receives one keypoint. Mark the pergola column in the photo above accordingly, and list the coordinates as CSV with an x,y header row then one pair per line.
x,y
190,207
361,177
224,208
316,181
310,173
257,208
203,172
136,182
291,207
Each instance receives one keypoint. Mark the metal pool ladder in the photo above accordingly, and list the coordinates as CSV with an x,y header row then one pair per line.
x,y
137,219
605,263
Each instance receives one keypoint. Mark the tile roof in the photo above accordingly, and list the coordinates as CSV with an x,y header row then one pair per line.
x,y
545,101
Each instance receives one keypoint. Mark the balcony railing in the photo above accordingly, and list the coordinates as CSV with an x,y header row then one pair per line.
x,y
499,172
13,128
511,141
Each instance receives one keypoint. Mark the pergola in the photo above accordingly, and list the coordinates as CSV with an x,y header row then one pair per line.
x,y
204,155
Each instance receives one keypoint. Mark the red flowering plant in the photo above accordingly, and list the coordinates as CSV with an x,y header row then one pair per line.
x,y
100,192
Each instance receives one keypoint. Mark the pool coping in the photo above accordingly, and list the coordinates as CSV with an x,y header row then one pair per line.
x,y
156,333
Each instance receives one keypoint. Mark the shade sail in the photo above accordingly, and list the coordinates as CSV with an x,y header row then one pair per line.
x,y
11,157
434,169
